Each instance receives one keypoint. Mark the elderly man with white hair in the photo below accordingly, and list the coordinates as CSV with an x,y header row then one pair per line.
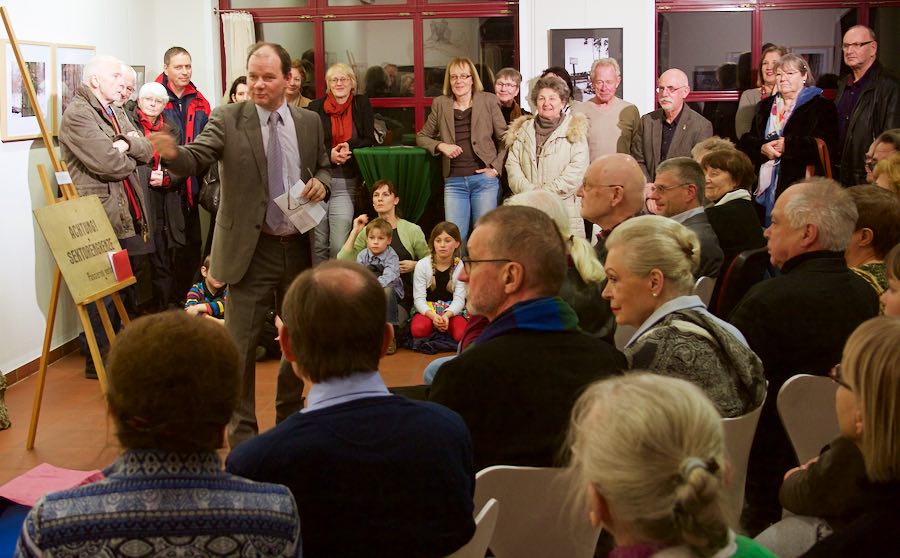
x,y
613,121
799,321
670,131
102,149
164,191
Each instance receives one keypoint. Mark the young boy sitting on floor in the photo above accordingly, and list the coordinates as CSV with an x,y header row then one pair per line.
x,y
383,261
207,297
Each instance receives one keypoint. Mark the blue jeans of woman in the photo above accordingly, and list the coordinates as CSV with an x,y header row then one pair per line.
x,y
467,198
332,231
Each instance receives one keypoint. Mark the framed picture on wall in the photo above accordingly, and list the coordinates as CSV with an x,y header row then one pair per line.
x,y
70,62
19,120
576,49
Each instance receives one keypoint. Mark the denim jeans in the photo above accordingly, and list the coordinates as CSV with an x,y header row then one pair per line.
x,y
332,231
466,198
393,307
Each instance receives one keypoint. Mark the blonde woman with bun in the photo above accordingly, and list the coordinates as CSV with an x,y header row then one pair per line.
x,y
649,269
651,453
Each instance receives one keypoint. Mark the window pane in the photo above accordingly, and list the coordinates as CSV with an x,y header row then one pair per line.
x,y
401,125
487,41
456,1
721,115
886,22
710,63
380,51
297,39
363,2
814,34
235,4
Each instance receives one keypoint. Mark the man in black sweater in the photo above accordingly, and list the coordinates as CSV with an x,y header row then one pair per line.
x,y
516,383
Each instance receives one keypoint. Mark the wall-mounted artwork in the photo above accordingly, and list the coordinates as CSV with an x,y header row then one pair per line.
x,y
18,120
576,49
70,62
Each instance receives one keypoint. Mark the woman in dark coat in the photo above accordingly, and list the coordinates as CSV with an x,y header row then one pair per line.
x,y
782,141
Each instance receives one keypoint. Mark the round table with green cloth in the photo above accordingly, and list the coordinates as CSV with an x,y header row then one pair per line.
x,y
413,170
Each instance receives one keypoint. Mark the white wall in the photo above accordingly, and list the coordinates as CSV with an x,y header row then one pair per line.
x,y
116,28
635,17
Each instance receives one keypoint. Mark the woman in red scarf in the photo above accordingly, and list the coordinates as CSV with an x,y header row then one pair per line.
x,y
349,124
166,217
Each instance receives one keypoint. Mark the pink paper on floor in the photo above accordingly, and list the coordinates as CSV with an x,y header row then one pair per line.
x,y
28,488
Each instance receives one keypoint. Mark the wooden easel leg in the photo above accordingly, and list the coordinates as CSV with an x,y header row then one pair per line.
x,y
45,354
123,314
92,345
110,335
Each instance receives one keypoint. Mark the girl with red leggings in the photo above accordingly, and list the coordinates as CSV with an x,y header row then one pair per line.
x,y
439,297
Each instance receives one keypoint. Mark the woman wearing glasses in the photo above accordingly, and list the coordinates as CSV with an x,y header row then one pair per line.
x,y
649,272
853,487
782,141
466,127
349,124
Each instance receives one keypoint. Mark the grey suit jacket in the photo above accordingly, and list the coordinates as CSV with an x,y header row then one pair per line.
x,y
711,256
233,137
488,129
647,140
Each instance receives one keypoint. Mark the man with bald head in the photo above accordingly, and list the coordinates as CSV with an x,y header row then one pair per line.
x,y
516,383
868,102
799,321
373,474
102,149
611,191
670,131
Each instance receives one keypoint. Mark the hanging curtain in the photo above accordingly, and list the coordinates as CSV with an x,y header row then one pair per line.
x,y
239,35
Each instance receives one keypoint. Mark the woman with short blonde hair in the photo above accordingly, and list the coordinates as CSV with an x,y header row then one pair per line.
x,y
651,451
649,270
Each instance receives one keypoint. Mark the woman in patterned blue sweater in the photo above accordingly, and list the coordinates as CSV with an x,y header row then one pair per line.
x,y
172,387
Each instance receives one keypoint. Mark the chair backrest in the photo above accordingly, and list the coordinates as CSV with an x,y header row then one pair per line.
x,y
704,288
623,334
747,269
739,432
485,522
806,407
543,515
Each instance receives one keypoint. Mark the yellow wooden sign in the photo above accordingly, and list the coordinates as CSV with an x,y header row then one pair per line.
x,y
80,237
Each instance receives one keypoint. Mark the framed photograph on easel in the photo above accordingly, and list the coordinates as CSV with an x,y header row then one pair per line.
x,y
18,120
70,62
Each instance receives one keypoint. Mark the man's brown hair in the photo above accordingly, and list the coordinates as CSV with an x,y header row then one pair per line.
x,y
382,225
335,315
529,236
174,51
173,383
280,52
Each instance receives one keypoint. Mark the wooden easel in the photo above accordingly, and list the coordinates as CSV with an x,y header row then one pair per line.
x,y
68,192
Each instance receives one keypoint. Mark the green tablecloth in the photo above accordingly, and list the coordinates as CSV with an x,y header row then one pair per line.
x,y
411,169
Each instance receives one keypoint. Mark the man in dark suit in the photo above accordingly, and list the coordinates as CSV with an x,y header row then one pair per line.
x,y
678,193
263,148
670,131
516,383
799,321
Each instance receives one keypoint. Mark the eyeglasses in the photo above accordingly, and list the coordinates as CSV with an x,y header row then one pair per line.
x,y
668,89
870,163
588,187
662,188
854,46
467,262
838,378
502,85
459,77
337,80
299,203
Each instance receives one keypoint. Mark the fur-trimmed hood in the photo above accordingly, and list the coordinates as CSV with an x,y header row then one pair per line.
x,y
577,128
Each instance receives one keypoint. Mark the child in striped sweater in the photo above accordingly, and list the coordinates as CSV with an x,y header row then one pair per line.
x,y
207,298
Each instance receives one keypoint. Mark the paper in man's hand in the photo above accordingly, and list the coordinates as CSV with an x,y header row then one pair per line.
x,y
302,213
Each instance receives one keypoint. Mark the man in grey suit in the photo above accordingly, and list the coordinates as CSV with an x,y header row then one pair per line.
x,y
678,193
670,131
263,148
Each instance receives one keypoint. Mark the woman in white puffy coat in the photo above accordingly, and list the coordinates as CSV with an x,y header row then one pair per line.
x,y
549,150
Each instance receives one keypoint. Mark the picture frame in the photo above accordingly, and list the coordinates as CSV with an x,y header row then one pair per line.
x,y
18,119
69,69
576,49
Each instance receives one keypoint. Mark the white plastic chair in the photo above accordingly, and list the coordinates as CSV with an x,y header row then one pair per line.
x,y
485,522
739,432
704,289
806,407
543,513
